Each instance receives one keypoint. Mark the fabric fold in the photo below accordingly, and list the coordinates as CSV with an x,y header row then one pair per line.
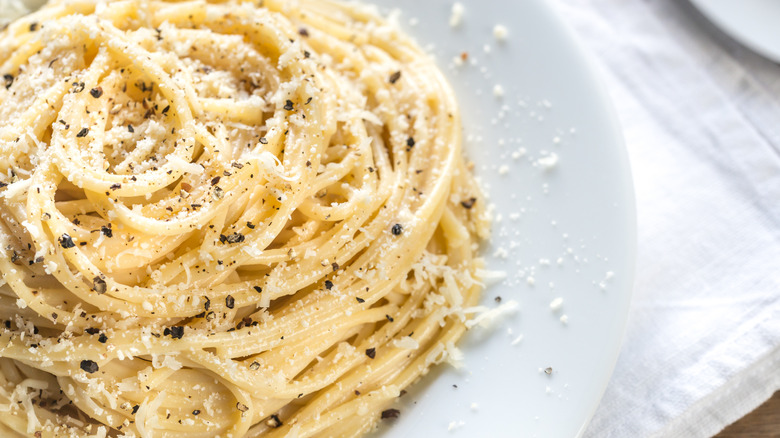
x,y
701,115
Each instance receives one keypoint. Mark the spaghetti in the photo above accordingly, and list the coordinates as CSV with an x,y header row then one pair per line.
x,y
225,219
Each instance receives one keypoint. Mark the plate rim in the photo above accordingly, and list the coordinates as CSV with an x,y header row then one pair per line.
x,y
589,70
590,66
736,32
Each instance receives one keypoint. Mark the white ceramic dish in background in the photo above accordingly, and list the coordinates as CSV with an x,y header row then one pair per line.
x,y
754,23
570,227
12,9
581,212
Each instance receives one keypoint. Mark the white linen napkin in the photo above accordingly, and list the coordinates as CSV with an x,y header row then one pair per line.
x,y
701,117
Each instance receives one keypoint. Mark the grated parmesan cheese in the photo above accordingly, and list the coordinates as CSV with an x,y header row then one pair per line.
x,y
456,15
487,318
453,355
548,162
455,425
500,32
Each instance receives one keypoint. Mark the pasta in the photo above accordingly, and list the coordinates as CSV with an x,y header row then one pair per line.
x,y
225,219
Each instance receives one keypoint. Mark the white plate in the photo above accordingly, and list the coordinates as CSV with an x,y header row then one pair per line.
x,y
580,212
754,23
571,227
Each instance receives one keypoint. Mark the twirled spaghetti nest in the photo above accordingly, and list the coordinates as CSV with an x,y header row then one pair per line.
x,y
225,219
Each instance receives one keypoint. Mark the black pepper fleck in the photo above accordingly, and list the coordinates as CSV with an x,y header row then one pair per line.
x,y
397,229
99,285
232,238
274,421
89,366
371,352
66,241
391,413
230,302
96,92
82,133
177,332
328,284
288,105
469,203
395,77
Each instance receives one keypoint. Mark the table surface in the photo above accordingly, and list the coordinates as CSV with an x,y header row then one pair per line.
x,y
764,422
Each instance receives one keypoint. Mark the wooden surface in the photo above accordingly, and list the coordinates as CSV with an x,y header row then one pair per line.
x,y
764,422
